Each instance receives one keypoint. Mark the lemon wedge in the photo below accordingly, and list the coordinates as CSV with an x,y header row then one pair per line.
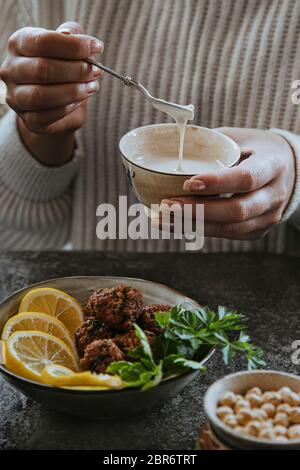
x,y
59,376
36,321
56,303
28,352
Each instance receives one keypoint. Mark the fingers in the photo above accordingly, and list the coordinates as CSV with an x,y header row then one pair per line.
x,y
48,82
253,173
248,230
38,121
72,121
236,209
39,70
38,42
40,97
70,27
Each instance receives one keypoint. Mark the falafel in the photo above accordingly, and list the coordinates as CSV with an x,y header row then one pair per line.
x,y
128,341
99,354
118,307
90,330
147,318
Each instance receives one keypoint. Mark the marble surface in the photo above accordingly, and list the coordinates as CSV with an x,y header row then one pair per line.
x,y
264,287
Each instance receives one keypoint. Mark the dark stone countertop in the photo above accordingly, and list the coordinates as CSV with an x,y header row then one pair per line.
x,y
264,287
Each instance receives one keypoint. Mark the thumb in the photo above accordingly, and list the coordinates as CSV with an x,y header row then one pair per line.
x,y
240,136
70,27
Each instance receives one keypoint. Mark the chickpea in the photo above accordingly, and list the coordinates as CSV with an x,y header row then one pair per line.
x,y
295,399
268,423
244,416
284,390
295,415
281,438
272,415
272,397
259,414
280,430
229,399
255,400
230,420
223,411
239,397
294,432
290,397
241,404
266,433
281,419
255,391
238,429
269,409
253,428
284,408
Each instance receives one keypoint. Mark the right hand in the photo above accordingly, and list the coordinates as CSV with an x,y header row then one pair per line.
x,y
48,82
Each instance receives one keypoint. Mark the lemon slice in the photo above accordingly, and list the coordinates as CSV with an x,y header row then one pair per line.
x,y
2,352
59,376
36,321
85,388
28,352
56,303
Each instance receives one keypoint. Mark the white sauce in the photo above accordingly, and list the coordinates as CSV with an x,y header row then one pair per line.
x,y
168,163
181,115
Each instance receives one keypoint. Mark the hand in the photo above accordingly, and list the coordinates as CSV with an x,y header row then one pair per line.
x,y
48,83
262,185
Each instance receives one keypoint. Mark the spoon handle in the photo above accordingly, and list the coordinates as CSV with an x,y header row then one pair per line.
x,y
127,80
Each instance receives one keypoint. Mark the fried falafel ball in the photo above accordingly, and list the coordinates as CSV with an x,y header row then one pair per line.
x,y
99,354
147,318
118,307
129,340
90,330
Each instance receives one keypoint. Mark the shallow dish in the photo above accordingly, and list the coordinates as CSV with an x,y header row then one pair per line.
x,y
240,383
99,404
152,186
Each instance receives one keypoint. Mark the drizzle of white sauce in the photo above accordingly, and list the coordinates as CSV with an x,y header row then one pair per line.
x,y
181,115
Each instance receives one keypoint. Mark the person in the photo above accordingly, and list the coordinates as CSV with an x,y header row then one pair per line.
x,y
234,60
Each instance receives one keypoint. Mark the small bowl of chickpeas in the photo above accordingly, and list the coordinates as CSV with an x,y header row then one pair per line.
x,y
255,410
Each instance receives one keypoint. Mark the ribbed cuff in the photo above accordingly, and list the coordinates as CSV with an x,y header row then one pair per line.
x,y
294,142
23,174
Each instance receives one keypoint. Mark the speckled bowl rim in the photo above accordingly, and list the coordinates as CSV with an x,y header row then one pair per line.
x,y
52,389
182,175
218,423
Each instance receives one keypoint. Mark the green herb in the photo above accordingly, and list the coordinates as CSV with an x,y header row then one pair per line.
x,y
188,330
144,373
186,333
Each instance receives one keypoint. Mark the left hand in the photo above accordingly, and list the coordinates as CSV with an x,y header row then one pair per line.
x,y
262,185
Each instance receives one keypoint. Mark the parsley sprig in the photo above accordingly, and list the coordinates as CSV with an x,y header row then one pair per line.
x,y
186,334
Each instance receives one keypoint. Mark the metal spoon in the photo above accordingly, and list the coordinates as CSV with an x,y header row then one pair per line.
x,y
186,112
127,80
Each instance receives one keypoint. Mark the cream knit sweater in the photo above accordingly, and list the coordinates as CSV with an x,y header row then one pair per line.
x,y
235,60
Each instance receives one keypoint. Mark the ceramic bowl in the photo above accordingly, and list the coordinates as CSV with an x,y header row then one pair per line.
x,y
240,383
152,186
99,404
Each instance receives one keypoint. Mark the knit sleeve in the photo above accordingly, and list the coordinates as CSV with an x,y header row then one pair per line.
x,y
292,211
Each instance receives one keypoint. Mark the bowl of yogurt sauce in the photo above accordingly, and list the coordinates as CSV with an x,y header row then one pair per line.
x,y
158,158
